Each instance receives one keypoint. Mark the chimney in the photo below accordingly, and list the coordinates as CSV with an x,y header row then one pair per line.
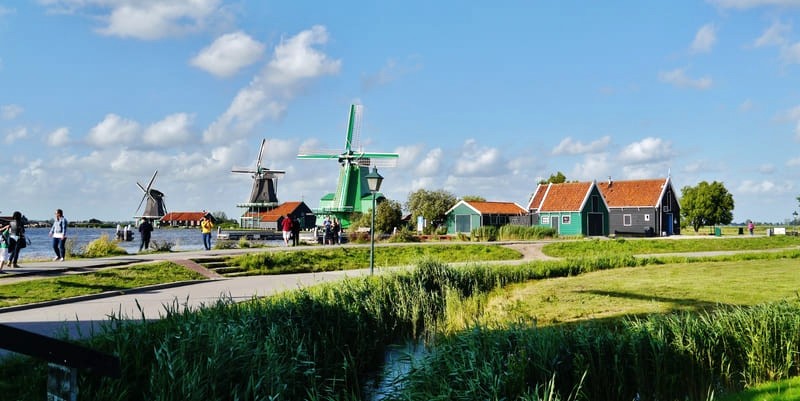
x,y
609,181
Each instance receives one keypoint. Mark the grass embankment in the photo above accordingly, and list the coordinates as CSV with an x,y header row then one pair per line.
x,y
595,247
114,279
346,258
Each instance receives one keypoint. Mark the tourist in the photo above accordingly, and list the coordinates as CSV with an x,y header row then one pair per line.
x,y
4,247
17,239
336,228
59,234
750,227
206,225
295,232
327,233
144,232
286,227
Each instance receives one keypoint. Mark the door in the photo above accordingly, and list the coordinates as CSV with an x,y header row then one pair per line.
x,y
595,224
670,224
463,223
554,223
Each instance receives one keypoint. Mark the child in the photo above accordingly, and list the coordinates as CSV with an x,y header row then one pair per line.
x,y
4,247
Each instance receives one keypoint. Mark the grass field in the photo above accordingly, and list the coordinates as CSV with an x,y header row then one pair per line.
x,y
643,290
123,278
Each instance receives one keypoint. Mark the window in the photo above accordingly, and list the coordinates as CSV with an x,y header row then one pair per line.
x,y
545,219
565,219
666,208
626,220
647,217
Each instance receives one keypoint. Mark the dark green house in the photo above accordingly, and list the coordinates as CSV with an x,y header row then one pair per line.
x,y
574,208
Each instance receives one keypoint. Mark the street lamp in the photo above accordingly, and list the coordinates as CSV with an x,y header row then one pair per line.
x,y
374,181
795,218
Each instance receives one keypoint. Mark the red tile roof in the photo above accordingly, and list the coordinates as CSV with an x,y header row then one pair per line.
x,y
537,197
183,216
508,208
275,214
633,192
566,197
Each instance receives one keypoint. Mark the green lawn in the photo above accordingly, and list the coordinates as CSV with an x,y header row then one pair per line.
x,y
665,245
114,279
784,390
643,290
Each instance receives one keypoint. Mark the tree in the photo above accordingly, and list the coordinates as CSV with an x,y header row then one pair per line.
x,y
557,178
431,205
220,215
473,198
706,205
388,215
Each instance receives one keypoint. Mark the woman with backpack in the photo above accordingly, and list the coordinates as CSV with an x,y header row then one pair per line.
x,y
16,237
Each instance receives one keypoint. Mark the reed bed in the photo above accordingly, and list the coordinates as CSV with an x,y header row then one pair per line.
x,y
326,343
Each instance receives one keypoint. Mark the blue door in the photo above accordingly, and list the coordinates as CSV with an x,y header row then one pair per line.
x,y
669,224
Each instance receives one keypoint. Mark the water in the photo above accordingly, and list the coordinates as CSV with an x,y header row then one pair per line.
x,y
41,246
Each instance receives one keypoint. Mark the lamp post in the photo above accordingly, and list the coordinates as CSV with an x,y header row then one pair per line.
x,y
374,181
794,222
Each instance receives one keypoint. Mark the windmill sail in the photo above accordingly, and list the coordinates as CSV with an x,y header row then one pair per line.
x,y
153,199
351,189
265,181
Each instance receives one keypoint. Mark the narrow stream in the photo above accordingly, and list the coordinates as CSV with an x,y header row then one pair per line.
x,y
397,363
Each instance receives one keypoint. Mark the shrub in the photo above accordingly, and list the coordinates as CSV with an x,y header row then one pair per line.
x,y
404,235
224,244
102,247
244,243
162,246
513,232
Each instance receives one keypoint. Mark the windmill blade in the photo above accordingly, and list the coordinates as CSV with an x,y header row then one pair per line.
x,y
149,183
317,156
143,198
243,170
353,126
260,154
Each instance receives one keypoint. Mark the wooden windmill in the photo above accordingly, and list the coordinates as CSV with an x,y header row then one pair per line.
x,y
155,208
263,196
352,192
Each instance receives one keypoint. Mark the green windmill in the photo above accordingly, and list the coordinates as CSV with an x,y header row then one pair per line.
x,y
352,193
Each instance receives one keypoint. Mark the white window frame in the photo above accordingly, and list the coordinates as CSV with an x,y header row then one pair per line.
x,y
545,219
627,220
646,217
566,219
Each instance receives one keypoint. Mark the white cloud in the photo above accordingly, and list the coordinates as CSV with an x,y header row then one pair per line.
x,y
113,130
747,4
10,111
430,165
746,106
390,72
766,168
59,137
648,150
775,35
679,78
791,54
793,162
295,62
16,134
408,155
797,131
593,167
704,39
6,11
476,161
569,146
763,187
228,54
147,20
174,129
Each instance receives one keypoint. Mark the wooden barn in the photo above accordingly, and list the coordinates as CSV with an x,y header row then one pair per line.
x,y
182,219
642,207
272,218
466,216
574,208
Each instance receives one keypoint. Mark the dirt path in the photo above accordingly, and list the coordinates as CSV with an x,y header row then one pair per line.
x,y
531,251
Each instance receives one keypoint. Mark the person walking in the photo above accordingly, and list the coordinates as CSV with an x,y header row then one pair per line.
x,y
59,234
286,227
206,225
144,232
295,232
4,247
16,237
335,230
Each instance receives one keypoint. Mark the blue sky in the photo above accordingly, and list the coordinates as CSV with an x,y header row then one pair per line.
x,y
477,99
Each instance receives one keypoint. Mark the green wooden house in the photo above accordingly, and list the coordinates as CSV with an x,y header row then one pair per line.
x,y
574,208
466,216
